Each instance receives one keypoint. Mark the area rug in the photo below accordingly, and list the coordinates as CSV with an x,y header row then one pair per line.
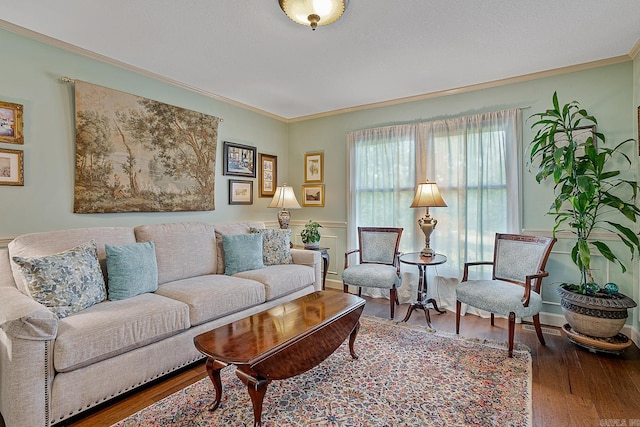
x,y
405,376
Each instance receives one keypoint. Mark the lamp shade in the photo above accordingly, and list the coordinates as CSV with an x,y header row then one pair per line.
x,y
313,13
427,195
284,198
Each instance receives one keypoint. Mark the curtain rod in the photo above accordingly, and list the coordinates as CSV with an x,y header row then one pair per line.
x,y
65,79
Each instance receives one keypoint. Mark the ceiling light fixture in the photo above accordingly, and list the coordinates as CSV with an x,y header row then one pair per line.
x,y
313,13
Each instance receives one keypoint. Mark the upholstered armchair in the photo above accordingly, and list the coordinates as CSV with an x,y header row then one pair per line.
x,y
378,265
514,289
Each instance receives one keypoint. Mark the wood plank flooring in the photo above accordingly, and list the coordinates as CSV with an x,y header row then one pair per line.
x,y
571,386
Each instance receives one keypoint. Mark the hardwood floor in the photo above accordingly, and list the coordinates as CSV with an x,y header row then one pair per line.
x,y
571,386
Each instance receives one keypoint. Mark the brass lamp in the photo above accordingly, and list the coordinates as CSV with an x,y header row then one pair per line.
x,y
427,196
284,198
313,13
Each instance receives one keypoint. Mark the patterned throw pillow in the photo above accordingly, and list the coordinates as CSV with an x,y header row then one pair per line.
x,y
242,252
275,245
66,282
131,270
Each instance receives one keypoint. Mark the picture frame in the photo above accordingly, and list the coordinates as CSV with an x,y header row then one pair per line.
x,y
239,160
11,123
11,167
313,195
240,192
314,167
639,130
268,175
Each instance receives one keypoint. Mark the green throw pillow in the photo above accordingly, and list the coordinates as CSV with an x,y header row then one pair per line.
x,y
66,282
276,245
242,252
131,270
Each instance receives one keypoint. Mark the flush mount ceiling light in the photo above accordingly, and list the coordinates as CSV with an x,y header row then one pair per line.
x,y
313,13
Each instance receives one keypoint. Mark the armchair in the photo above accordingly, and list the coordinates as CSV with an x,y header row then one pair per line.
x,y
514,289
378,265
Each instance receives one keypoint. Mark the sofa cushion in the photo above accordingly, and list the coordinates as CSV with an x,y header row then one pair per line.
x,y
276,245
213,296
280,280
242,252
231,229
66,282
52,242
115,327
184,249
131,270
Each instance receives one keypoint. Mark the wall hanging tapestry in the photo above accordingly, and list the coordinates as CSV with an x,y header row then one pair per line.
x,y
405,376
138,155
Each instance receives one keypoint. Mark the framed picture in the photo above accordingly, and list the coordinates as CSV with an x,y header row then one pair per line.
x,y
638,130
268,175
314,167
313,195
239,160
11,123
240,192
11,167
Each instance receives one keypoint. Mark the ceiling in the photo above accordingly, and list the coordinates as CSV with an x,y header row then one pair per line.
x,y
250,53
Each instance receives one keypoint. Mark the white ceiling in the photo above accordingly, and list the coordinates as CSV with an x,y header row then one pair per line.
x,y
248,51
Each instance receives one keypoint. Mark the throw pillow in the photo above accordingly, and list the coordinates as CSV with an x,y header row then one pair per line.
x,y
242,252
276,245
131,270
66,282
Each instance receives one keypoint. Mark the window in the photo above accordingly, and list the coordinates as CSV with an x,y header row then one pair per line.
x,y
473,159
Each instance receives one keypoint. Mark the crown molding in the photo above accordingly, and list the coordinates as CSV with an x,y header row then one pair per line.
x,y
464,89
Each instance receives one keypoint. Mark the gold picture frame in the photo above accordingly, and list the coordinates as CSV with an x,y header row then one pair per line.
x,y
313,195
11,123
11,167
268,175
314,167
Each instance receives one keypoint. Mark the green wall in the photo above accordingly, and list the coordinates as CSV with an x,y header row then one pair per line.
x,y
45,202
31,74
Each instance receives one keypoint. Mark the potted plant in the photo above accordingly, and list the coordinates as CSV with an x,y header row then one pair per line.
x,y
310,235
590,194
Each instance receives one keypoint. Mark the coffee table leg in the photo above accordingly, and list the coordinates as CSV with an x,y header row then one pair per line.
x,y
352,340
213,369
257,389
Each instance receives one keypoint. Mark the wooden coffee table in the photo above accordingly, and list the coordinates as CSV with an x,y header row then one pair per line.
x,y
282,342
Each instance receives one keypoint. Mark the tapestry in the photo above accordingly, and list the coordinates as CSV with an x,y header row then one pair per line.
x,y
404,376
138,155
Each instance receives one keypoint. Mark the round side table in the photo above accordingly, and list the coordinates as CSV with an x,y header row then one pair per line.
x,y
414,258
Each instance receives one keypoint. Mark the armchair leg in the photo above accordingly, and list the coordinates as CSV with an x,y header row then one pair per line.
x,y
393,297
345,287
536,323
512,327
458,309
492,320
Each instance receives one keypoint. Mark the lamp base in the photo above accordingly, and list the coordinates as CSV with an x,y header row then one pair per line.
x,y
427,224
428,252
283,219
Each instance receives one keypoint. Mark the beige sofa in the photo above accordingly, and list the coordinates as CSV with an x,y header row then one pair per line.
x,y
54,368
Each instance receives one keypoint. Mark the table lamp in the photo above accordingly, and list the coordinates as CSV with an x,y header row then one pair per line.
x,y
427,195
284,198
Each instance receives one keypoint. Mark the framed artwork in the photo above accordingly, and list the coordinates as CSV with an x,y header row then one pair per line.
x,y
314,167
268,175
11,167
11,123
313,195
239,160
240,192
638,130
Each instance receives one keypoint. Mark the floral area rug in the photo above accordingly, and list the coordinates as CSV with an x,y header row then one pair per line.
x,y
405,376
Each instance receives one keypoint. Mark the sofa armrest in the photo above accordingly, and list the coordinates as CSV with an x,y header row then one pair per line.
x,y
23,318
312,259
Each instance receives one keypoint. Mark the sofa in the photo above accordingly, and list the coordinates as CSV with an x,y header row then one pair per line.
x,y
71,340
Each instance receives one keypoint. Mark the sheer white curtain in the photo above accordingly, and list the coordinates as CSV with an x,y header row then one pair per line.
x,y
475,160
